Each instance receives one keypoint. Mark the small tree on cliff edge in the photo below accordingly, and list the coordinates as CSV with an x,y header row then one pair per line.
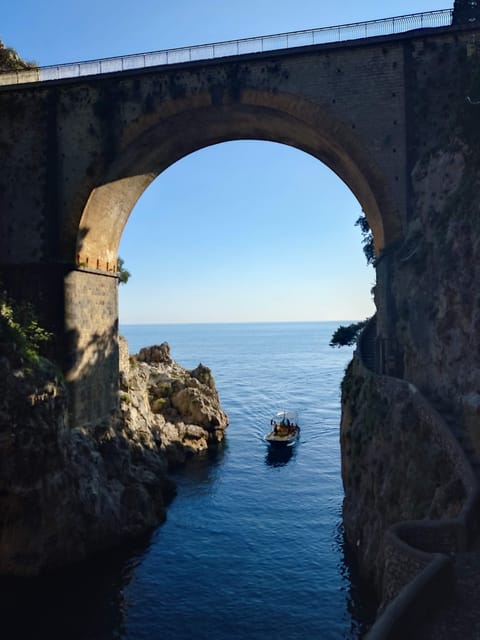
x,y
123,274
367,238
346,335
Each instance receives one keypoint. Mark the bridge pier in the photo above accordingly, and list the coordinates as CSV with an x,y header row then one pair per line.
x,y
42,286
91,337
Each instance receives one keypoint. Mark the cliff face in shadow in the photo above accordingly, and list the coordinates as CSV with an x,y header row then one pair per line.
x,y
437,265
394,468
66,493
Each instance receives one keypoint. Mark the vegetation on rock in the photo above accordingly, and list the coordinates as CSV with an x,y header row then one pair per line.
x,y
123,274
19,328
346,335
11,61
367,238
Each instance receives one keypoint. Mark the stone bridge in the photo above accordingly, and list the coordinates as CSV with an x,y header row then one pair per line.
x,y
79,151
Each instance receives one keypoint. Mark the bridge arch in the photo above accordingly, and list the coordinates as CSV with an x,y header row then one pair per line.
x,y
197,123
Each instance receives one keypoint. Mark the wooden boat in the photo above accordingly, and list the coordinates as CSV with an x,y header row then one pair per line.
x,y
285,429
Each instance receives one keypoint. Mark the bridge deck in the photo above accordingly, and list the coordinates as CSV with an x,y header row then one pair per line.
x,y
323,35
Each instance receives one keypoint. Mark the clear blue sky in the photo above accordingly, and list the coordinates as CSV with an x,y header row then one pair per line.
x,y
204,241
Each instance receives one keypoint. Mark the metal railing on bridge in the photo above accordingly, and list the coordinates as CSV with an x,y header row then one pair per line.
x,y
323,35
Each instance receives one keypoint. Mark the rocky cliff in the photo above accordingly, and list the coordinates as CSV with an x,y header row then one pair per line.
x,y
66,493
437,264
394,468
395,465
11,61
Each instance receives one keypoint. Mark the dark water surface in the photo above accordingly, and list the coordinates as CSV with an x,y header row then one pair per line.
x,y
253,544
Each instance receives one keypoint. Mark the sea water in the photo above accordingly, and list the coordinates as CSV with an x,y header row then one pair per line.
x,y
253,545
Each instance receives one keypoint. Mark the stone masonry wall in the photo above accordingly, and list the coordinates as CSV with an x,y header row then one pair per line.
x,y
81,142
80,153
91,317
390,116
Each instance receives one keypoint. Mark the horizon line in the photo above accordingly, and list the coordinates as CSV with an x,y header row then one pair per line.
x,y
210,322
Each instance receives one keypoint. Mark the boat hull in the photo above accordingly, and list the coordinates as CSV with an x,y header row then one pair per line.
x,y
277,440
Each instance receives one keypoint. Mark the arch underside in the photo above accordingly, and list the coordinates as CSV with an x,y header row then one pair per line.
x,y
270,117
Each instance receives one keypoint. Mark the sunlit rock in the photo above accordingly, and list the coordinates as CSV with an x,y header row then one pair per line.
x,y
181,406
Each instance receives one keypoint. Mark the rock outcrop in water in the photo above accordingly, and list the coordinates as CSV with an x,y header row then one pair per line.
x,y
181,406
66,493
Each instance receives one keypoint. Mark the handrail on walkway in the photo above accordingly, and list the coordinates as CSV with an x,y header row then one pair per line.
x,y
440,539
309,37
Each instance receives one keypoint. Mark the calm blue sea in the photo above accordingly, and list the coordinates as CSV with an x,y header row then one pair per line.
x,y
253,544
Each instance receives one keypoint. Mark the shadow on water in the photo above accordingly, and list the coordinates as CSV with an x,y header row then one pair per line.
x,y
279,456
88,600
92,601
201,467
84,602
362,603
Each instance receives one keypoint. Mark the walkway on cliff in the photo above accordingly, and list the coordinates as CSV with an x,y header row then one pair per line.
x,y
458,615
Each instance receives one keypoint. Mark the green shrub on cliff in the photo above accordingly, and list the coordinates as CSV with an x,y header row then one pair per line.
x,y
367,238
123,274
346,336
19,327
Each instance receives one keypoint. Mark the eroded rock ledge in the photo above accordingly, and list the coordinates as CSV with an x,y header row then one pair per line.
x,y
65,492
